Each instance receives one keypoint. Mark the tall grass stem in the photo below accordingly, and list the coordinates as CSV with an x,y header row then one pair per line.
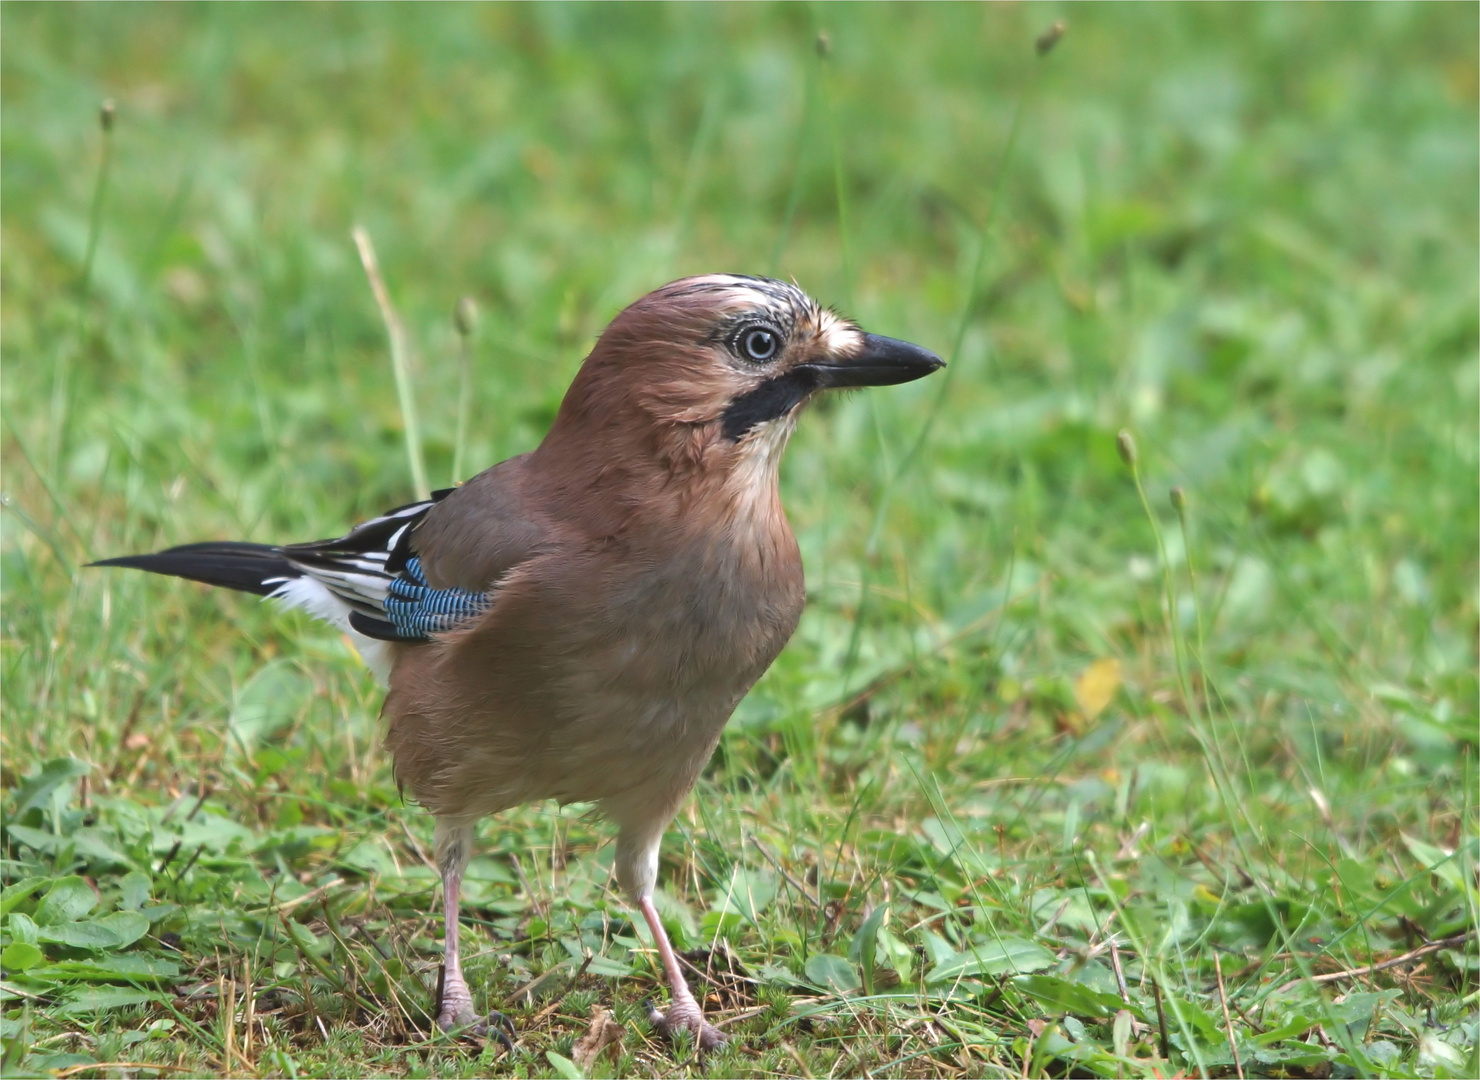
x,y
400,361
840,186
1179,504
1127,446
798,159
61,374
465,322
106,114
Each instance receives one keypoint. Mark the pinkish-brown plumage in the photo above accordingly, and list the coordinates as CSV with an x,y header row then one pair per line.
x,y
579,622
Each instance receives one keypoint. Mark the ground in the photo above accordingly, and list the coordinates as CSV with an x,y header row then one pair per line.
x,y
1090,757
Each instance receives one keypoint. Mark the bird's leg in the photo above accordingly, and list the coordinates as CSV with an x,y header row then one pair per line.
x,y
454,843
683,1010
456,1004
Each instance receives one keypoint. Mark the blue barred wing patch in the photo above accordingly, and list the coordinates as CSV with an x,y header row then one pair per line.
x,y
372,572
416,610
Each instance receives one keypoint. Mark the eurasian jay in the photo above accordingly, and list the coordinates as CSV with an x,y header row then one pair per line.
x,y
578,622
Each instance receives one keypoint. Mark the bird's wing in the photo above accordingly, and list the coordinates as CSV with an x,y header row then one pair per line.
x,y
484,529
368,578
425,568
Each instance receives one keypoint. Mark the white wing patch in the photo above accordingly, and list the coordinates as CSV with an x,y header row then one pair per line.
x,y
314,597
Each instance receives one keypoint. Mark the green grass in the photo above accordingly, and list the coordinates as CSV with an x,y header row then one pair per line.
x,y
1030,727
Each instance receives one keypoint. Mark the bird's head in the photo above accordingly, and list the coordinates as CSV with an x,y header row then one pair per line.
x,y
710,372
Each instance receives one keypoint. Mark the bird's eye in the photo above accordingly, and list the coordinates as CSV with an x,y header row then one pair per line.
x,y
759,343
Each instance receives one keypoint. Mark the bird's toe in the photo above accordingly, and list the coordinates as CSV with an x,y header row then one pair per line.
x,y
465,1023
685,1016
454,1019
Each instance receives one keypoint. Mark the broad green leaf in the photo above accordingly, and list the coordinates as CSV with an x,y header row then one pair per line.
x,y
91,999
307,940
865,945
937,948
135,887
128,926
781,976
998,956
899,954
90,844
1064,995
91,934
270,700
1436,861
607,968
1293,1027
215,833
1436,1053
1386,1054
1359,1007
564,1066
21,890
22,927
23,988
68,900
828,972
49,1064
35,790
1195,1015
157,912
128,968
96,847
20,956
1121,1031
371,857
747,893
717,924
270,762
36,839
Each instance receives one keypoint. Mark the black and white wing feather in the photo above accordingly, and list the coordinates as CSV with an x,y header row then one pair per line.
x,y
368,581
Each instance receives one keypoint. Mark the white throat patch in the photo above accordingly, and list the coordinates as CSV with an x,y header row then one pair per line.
x,y
754,475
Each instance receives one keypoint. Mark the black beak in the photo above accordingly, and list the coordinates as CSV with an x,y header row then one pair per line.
x,y
882,362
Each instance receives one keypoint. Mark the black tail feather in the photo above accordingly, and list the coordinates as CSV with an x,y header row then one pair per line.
x,y
245,567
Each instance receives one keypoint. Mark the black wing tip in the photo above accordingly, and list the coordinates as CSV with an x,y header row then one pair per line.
x,y
253,568
130,561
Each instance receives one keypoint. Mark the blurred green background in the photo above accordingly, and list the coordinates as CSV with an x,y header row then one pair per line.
x,y
1246,233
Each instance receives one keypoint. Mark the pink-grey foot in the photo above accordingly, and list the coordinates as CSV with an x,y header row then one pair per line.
x,y
455,1013
683,1011
684,1015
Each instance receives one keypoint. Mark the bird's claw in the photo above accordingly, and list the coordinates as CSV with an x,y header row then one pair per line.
x,y
455,1014
685,1016
464,1024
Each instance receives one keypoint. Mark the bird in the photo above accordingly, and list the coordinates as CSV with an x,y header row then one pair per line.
x,y
579,622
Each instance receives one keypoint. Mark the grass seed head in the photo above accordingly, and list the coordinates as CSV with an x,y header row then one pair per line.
x,y
106,111
1126,444
465,316
1050,37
